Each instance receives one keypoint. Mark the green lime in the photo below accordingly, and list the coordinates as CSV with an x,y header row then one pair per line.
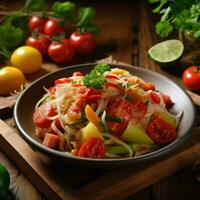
x,y
4,178
166,52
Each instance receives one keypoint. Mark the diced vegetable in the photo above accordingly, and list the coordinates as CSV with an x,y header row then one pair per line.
x,y
91,116
88,132
51,141
92,148
116,149
135,134
167,117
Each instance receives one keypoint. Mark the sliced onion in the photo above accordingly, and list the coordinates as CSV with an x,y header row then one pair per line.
x,y
52,118
100,107
118,141
39,102
56,130
103,117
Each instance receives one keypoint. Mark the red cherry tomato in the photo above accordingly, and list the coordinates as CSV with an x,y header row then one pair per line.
x,y
41,44
92,148
160,131
122,109
36,24
52,28
83,44
40,116
191,78
61,52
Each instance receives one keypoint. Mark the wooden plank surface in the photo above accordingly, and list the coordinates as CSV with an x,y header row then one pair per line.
x,y
61,183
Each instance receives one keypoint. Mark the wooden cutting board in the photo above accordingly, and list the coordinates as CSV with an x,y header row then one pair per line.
x,y
57,181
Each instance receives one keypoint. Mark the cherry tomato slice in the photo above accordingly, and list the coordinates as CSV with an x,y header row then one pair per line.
x,y
120,89
62,80
160,131
92,148
139,109
110,76
40,116
155,97
122,109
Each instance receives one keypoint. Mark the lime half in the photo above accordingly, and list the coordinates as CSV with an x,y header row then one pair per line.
x,y
166,52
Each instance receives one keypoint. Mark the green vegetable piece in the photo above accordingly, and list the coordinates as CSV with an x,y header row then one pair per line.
x,y
135,134
116,149
113,118
64,10
35,5
168,118
95,78
86,15
4,178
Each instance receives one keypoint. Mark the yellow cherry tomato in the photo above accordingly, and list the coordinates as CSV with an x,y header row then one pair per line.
x,y
11,79
27,59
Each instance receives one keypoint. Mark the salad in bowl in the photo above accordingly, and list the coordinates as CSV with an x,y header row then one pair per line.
x,y
108,113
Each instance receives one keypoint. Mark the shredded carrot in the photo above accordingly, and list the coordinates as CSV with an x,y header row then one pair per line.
x,y
91,116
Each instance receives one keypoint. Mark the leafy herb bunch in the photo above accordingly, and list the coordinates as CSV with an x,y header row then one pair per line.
x,y
14,27
183,15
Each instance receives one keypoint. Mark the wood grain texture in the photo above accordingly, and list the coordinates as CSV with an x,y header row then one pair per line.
x,y
51,181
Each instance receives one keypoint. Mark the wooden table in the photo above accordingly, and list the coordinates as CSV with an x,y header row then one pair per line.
x,y
127,33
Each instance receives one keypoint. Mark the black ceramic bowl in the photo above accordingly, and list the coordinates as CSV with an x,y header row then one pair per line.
x,y
25,104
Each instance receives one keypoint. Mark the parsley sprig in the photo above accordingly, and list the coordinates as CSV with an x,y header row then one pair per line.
x,y
183,15
95,78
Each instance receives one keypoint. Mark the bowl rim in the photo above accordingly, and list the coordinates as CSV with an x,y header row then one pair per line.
x,y
65,155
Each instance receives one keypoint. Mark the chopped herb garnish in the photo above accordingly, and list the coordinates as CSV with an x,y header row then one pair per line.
x,y
113,118
95,78
129,84
127,97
